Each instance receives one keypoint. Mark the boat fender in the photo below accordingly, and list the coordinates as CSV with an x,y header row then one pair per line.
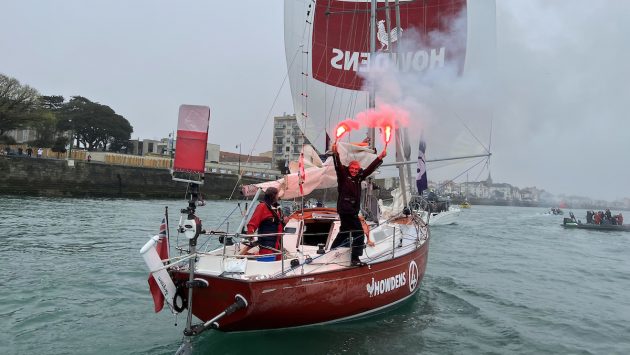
x,y
295,263
180,300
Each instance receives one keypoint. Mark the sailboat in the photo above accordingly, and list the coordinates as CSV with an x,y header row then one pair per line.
x,y
306,281
440,212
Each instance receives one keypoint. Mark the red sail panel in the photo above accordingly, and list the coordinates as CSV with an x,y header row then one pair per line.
x,y
192,138
341,40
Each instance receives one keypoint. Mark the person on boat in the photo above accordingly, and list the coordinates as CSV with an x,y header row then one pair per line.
x,y
620,219
267,219
349,180
589,217
598,217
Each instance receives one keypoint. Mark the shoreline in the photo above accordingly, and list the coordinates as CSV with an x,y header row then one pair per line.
x,y
46,177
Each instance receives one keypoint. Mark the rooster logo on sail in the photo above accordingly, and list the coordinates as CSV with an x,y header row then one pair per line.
x,y
387,38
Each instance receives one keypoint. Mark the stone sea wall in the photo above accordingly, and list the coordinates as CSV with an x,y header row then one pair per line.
x,y
20,175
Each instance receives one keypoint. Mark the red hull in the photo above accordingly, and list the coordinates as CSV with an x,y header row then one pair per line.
x,y
311,298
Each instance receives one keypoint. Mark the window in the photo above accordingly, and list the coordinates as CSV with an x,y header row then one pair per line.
x,y
316,232
288,149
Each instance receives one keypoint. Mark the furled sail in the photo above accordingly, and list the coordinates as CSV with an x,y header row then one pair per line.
x,y
318,177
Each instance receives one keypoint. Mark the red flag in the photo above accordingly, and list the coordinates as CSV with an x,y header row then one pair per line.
x,y
162,247
301,173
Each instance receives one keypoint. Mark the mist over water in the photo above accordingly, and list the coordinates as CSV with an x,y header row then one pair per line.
x,y
503,280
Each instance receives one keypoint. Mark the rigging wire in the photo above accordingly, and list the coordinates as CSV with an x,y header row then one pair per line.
x,y
240,174
439,187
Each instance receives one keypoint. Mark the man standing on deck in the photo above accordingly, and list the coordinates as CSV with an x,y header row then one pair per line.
x,y
349,202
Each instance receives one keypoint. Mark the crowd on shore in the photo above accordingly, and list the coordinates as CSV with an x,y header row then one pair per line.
x,y
20,151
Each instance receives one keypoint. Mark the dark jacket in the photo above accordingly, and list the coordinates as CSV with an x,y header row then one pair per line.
x,y
348,187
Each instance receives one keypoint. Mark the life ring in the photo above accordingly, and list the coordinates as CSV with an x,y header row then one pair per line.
x,y
180,295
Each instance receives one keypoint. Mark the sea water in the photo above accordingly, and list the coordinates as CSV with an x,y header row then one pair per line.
x,y
502,280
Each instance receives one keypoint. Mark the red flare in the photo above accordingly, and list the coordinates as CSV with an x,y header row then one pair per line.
x,y
387,132
342,129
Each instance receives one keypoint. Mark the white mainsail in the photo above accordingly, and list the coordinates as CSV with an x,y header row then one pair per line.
x,y
327,47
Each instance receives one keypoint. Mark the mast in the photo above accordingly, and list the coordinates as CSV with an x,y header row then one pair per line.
x,y
400,152
405,131
372,94
372,214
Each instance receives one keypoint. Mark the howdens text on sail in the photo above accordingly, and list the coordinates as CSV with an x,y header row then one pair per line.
x,y
416,61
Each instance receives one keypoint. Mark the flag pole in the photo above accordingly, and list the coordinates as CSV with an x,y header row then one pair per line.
x,y
168,232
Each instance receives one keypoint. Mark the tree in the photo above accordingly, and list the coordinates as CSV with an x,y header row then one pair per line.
x,y
53,103
18,104
93,124
7,140
59,146
119,134
45,121
45,125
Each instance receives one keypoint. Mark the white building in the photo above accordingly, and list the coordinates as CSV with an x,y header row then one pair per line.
x,y
245,161
287,139
22,136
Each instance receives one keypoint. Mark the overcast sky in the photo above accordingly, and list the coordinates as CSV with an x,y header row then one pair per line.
x,y
559,118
